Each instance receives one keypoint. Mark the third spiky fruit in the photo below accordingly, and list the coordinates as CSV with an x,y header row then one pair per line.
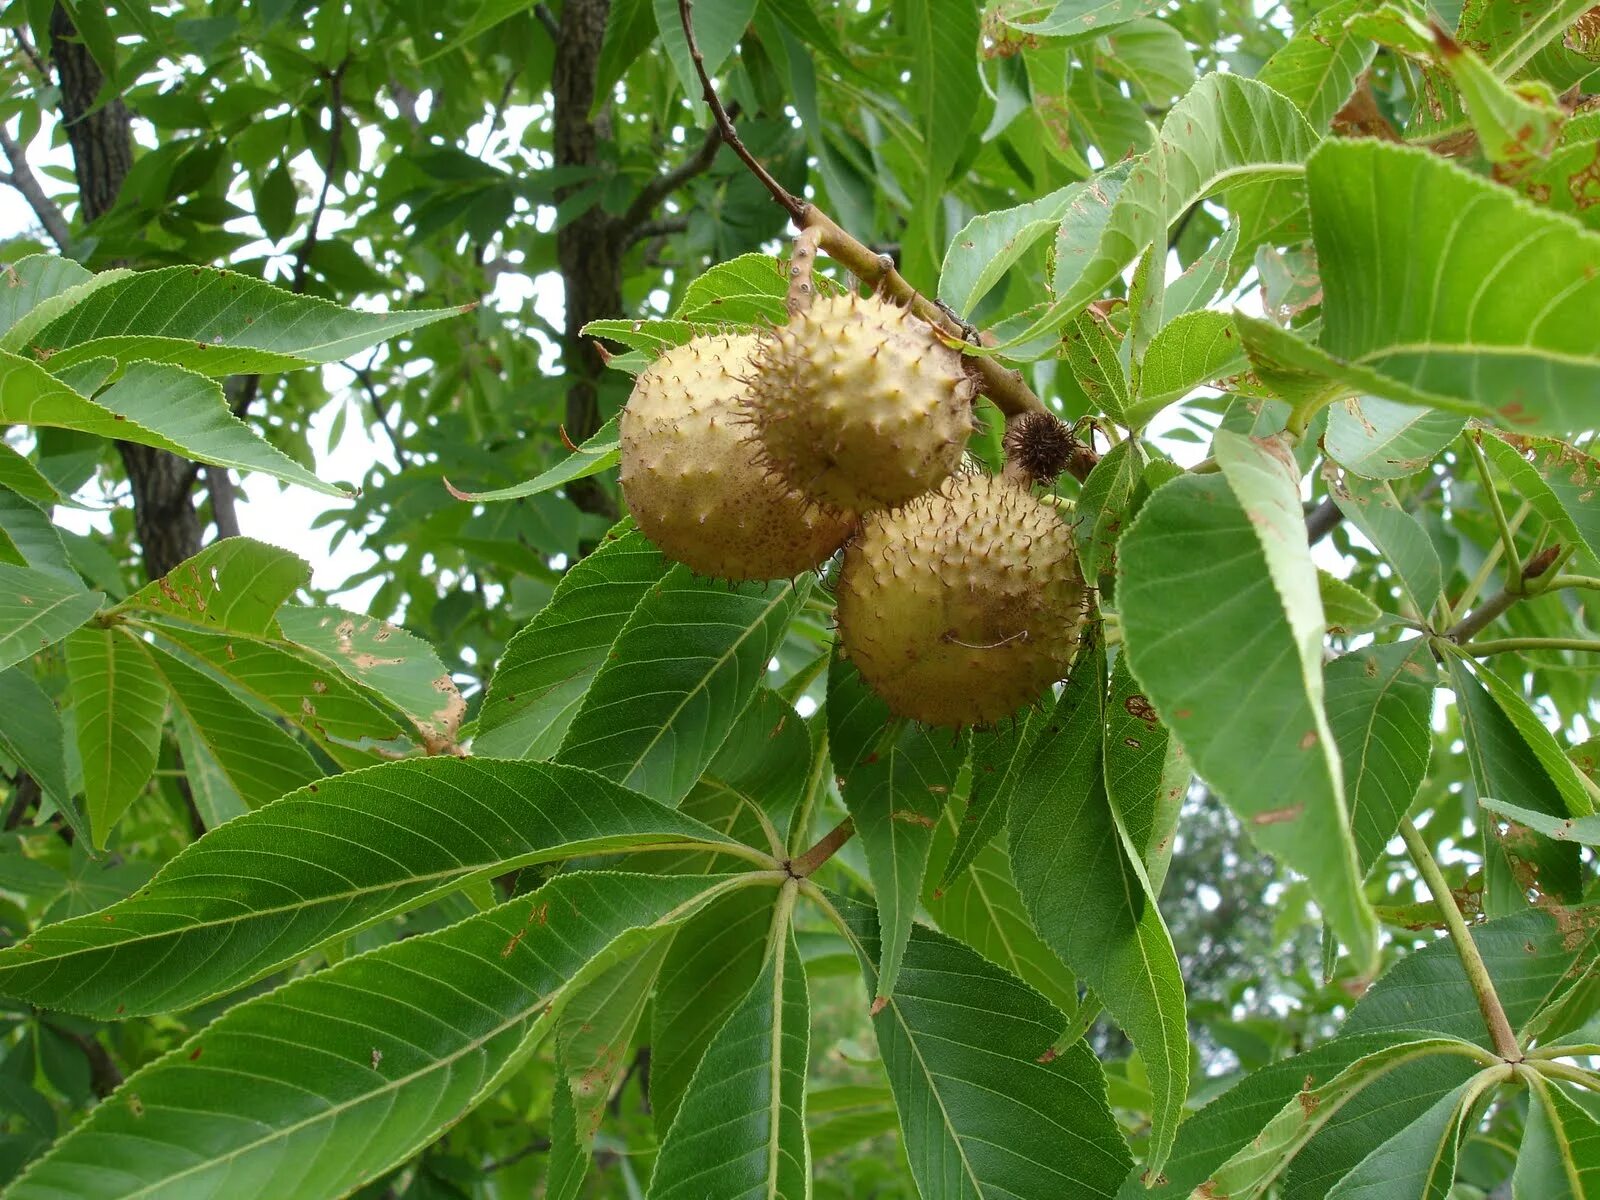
x,y
691,476
964,605
858,403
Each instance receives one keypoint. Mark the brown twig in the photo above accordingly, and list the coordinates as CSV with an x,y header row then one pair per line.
x,y
22,178
1003,385
664,184
804,865
335,138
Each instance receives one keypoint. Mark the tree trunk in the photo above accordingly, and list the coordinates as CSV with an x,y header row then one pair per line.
x,y
588,247
102,155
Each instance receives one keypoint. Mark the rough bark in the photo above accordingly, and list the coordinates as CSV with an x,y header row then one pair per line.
x,y
165,520
589,247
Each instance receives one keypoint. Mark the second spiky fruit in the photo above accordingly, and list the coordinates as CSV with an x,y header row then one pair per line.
x,y
964,605
858,404
691,476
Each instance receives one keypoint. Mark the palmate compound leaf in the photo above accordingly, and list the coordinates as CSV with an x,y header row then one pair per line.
x,y
1084,884
705,647
547,667
741,1130
1224,629
1444,289
314,1088
987,1109
339,855
212,322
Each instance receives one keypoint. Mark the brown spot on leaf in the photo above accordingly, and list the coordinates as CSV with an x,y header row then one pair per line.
x,y
1276,816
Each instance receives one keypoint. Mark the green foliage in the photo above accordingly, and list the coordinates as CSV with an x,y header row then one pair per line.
x,y
523,861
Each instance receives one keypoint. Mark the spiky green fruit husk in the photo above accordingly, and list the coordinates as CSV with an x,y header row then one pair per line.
x,y
964,605
691,477
858,404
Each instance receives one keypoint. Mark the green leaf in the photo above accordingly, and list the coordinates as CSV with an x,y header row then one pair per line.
x,y
22,477
384,659
999,755
1219,595
275,201
754,1072
1250,1173
718,26
1138,769
358,1066
600,452
1344,607
896,777
1559,481
1092,354
765,761
707,646
30,732
1079,18
1228,132
28,539
1380,439
215,323
1103,507
991,244
1154,58
1439,284
215,798
944,76
261,761
547,667
236,585
981,907
1552,756
986,1107
1090,899
749,291
1380,707
1560,1154
1191,350
118,706
38,610
708,973
1419,1160
1583,830
1206,276
41,287
1319,66
1399,537
267,888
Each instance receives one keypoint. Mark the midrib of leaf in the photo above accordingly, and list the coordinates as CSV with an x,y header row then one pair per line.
x,y
777,946
552,1001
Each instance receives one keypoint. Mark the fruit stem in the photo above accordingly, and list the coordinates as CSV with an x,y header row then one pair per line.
x,y
1003,385
804,865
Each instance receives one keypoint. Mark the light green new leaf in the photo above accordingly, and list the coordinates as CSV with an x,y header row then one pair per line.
x,y
1379,439
1344,607
991,243
747,291
599,452
1440,284
1090,899
897,777
214,322
987,1109
386,660
1319,66
1561,482
118,704
353,1069
269,887
1191,350
236,585
38,610
1228,132
33,279
1154,58
260,760
1374,510
741,1131
547,667
718,26
980,906
1219,597
1420,1160
1560,1154
1380,704
705,646
1251,1173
